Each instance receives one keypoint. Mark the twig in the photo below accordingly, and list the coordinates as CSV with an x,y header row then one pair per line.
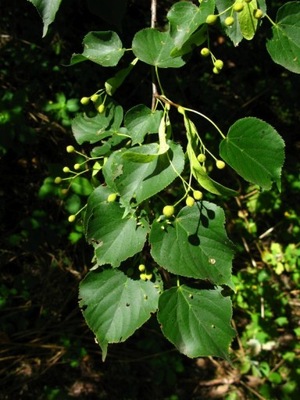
x,y
153,24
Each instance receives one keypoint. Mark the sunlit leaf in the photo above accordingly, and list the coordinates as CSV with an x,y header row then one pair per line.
x,y
114,237
255,150
195,244
284,45
47,10
104,48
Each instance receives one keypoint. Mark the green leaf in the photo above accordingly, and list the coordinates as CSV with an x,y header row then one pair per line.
x,y
196,321
104,48
115,306
154,47
255,151
140,120
94,129
47,10
185,18
284,45
114,237
141,180
195,244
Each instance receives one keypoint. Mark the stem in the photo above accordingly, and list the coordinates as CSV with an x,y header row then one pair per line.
x,y
208,119
153,24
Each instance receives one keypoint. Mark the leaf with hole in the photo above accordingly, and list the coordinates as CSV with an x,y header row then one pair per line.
x,y
196,321
115,306
194,244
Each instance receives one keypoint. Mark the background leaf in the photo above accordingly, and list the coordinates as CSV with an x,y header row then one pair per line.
x,y
114,237
255,150
284,46
115,306
195,245
104,48
154,47
196,321
47,10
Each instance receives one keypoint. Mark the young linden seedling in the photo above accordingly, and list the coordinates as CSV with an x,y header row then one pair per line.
x,y
168,211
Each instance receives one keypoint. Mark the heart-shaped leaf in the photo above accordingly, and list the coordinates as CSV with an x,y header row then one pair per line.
x,y
195,244
141,180
115,306
284,46
47,10
102,47
99,127
140,120
154,47
255,151
114,237
196,321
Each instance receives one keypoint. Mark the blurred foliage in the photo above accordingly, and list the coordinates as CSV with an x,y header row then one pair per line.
x,y
47,352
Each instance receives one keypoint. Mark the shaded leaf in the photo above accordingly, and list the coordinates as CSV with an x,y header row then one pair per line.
x,y
47,10
195,244
114,237
185,18
255,151
104,48
140,120
141,180
284,45
154,47
115,306
196,321
94,129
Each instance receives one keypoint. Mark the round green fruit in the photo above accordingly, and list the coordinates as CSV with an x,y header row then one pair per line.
x,y
220,164
70,149
201,157
101,108
219,64
229,21
190,201
72,218
258,14
66,170
211,19
112,197
197,195
205,52
94,97
238,6
142,268
85,100
168,211
57,180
